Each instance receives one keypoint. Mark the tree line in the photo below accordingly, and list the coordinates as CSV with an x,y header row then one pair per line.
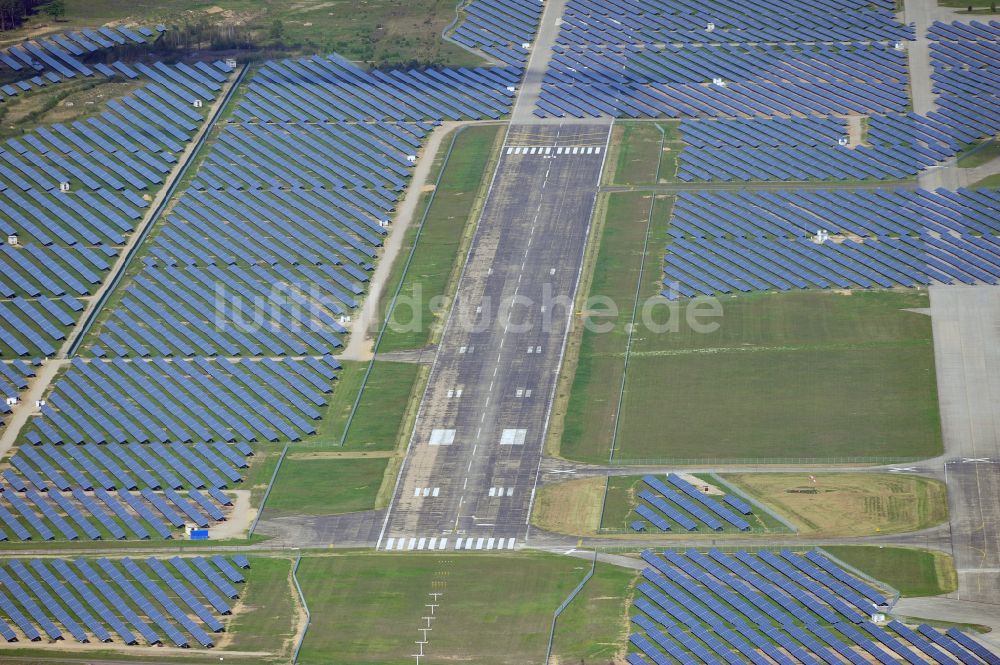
x,y
13,12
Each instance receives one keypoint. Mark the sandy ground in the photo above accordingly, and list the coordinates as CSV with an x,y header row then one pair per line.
x,y
238,518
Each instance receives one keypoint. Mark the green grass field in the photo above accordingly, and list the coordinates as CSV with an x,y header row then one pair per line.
x,y
990,181
316,485
377,423
815,375
438,258
979,6
639,158
794,375
594,627
911,572
495,609
601,355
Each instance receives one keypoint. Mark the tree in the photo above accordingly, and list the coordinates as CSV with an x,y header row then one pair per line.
x,y
56,9
277,32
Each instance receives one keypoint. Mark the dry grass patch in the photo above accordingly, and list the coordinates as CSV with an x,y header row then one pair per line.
x,y
849,504
572,507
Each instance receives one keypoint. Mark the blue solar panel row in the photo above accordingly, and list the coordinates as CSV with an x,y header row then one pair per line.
x,y
58,56
14,377
500,29
860,213
610,22
769,609
325,89
70,195
76,514
836,58
85,600
115,466
831,162
184,401
685,505
730,242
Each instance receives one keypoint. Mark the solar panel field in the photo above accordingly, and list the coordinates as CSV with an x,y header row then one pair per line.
x,y
499,331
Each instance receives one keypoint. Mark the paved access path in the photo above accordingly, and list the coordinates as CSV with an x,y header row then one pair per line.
x,y
364,327
538,64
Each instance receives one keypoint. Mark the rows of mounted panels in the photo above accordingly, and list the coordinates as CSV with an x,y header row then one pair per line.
x,y
55,58
501,29
768,607
674,60
154,601
740,241
887,146
272,246
71,194
221,339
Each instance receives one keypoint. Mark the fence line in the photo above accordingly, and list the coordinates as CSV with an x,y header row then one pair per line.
x,y
559,610
298,647
716,462
267,492
635,303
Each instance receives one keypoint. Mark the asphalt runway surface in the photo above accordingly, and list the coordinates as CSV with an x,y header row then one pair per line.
x,y
469,476
966,321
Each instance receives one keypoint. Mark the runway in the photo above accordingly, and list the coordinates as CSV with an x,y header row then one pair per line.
x,y
966,324
469,475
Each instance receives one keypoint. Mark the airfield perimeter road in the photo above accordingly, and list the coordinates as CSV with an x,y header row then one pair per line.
x,y
495,369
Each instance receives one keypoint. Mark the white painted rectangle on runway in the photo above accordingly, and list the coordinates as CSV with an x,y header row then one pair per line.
x,y
559,150
510,491
421,543
389,543
500,542
510,150
432,543
489,543
510,544
479,544
401,544
493,491
458,543
513,437
411,544
469,542
443,544
442,437
437,490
